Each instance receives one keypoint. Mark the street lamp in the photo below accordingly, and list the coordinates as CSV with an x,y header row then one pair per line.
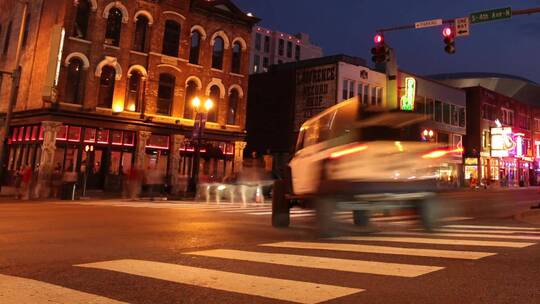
x,y
87,149
198,132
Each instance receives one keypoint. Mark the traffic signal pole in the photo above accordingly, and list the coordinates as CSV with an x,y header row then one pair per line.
x,y
528,11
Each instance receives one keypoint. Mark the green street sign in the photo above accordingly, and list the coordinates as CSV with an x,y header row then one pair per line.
x,y
491,15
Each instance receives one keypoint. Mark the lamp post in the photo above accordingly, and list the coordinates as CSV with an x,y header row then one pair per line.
x,y
87,149
198,132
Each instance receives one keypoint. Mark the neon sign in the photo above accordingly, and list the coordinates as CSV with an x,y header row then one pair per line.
x,y
407,100
502,142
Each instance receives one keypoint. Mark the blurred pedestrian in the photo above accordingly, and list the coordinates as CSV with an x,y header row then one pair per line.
x,y
26,180
17,183
134,183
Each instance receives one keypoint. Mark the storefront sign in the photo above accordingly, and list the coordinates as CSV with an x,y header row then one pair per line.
x,y
316,89
407,100
471,161
502,142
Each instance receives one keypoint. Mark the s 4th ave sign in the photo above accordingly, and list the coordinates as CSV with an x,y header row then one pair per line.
x,y
491,15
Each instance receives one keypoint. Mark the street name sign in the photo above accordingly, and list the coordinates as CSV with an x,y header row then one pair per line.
x,y
491,15
462,26
428,23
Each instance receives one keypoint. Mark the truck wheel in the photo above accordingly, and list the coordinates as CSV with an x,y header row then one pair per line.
x,y
427,211
360,217
280,206
325,216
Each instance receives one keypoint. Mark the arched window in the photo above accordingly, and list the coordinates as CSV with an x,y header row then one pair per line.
x,y
141,34
217,54
236,58
214,96
165,94
106,86
233,107
171,38
114,27
74,81
80,29
195,47
133,92
191,92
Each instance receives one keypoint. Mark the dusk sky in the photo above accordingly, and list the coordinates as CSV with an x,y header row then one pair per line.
x,y
347,26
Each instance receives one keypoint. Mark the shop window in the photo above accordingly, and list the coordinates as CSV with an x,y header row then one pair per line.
x,y
134,92
90,135
215,94
74,81
81,19
102,136
446,113
195,49
233,107
35,130
116,138
236,58
74,134
114,27
106,86
62,133
365,98
191,92
359,91
158,142
379,96
165,94
455,115
129,138
171,38
419,105
41,132
430,108
373,96
14,134
141,34
28,133
217,53
462,117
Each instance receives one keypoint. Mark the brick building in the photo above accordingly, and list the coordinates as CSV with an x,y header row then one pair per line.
x,y
119,77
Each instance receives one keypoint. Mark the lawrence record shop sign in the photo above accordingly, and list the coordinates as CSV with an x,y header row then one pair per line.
x,y
315,91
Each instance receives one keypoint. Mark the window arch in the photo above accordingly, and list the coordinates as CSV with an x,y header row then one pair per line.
x,y
171,38
234,98
217,53
191,92
236,58
195,47
165,94
215,94
141,34
106,86
74,81
134,90
114,27
80,29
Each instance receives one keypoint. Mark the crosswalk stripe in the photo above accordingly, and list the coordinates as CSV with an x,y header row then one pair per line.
x,y
418,240
436,253
487,231
492,227
467,235
357,266
280,289
16,290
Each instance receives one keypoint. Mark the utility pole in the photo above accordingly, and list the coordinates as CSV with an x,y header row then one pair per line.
x,y
15,81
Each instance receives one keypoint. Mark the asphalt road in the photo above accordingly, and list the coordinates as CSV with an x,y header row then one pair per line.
x,y
174,252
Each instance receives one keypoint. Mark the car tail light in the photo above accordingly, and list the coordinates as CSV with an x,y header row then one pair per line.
x,y
442,152
348,151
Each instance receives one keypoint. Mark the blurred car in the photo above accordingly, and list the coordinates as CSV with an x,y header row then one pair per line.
x,y
361,159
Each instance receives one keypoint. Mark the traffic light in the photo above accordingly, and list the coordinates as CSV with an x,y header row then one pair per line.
x,y
449,36
380,52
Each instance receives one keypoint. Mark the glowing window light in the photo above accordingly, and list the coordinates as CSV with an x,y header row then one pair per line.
x,y
407,100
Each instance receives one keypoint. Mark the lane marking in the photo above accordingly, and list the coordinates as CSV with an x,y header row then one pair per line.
x,y
467,235
16,290
436,253
492,227
280,289
356,266
486,231
418,240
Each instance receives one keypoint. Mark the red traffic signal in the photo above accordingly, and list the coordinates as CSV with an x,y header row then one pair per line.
x,y
449,35
378,39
